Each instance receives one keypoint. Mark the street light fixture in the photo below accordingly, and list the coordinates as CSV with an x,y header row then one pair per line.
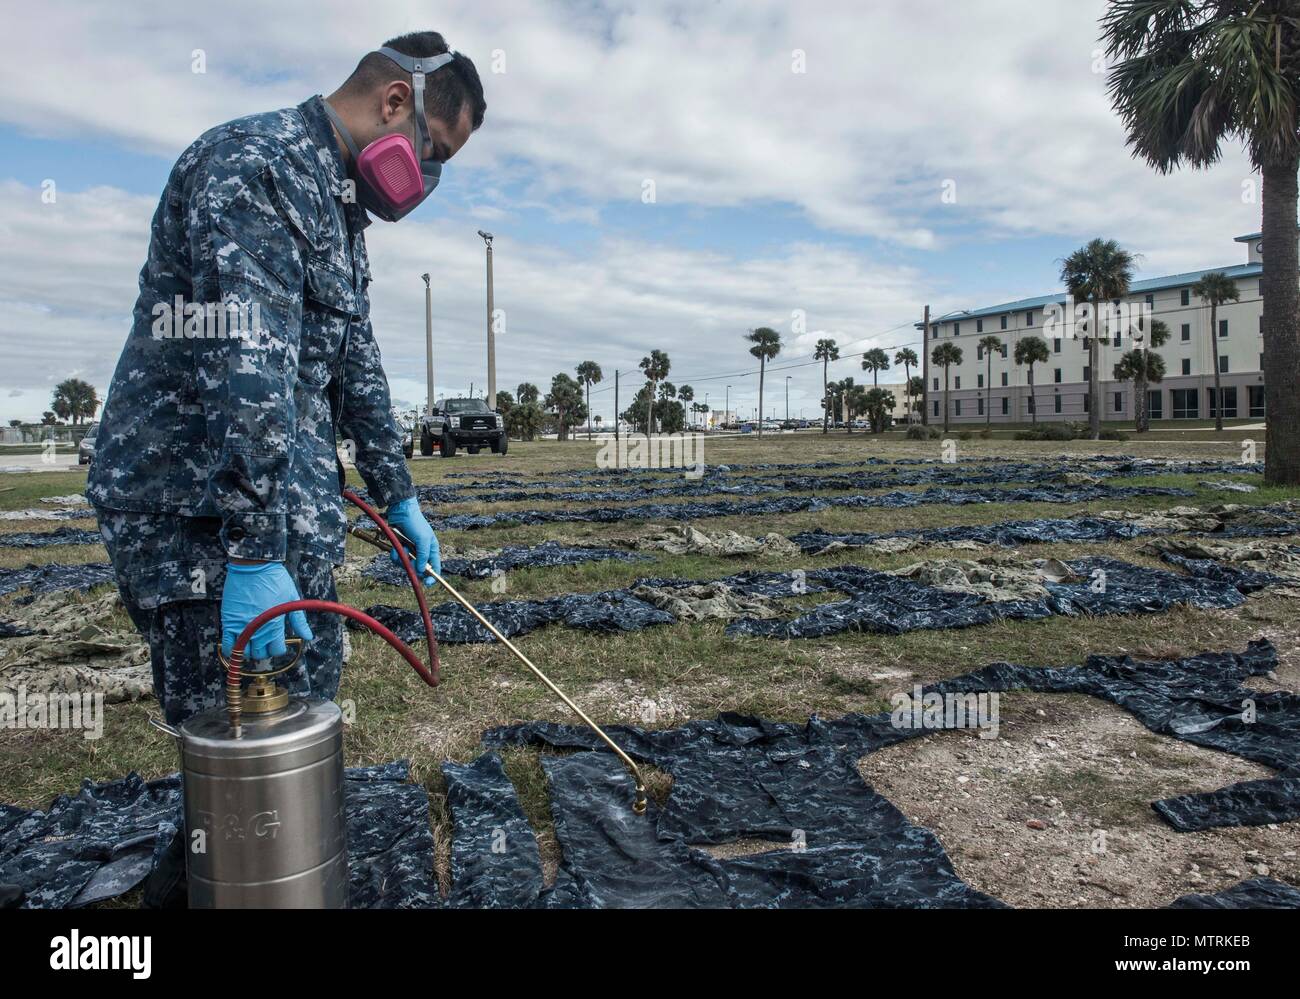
x,y
491,336
428,344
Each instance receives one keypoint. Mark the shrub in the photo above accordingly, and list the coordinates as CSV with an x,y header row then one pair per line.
x,y
1112,435
986,433
916,432
1049,432
965,435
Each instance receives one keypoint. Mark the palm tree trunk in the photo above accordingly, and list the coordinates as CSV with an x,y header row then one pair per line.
x,y
826,399
1094,376
588,410
1214,363
988,392
1281,324
1033,403
1140,391
762,366
945,398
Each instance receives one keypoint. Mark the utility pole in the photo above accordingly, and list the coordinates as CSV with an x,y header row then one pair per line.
x,y
925,368
616,410
787,398
491,335
726,406
428,344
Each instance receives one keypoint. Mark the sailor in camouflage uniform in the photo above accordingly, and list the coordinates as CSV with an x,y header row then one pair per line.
x,y
251,348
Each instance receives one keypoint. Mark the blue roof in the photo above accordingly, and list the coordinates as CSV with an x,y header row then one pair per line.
x,y
1136,288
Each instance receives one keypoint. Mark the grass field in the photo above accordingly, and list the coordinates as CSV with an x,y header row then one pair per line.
x,y
1076,764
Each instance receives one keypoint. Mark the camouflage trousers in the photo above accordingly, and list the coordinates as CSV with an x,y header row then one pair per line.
x,y
170,573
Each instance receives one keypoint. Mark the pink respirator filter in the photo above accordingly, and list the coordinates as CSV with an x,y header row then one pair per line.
x,y
390,167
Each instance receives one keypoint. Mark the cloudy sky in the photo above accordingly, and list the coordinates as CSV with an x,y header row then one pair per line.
x,y
823,167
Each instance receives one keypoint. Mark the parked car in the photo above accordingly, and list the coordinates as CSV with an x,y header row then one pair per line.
x,y
455,423
86,449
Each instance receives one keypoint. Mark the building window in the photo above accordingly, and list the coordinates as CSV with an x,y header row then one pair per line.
x,y
1004,379
1087,402
1056,345
1151,301
1087,372
1223,327
979,406
1119,402
956,329
1029,318
1118,339
1004,352
1261,324
1156,404
936,383
979,382
1186,332
957,408
1005,403
1087,343
1185,297
979,325
1229,401
1004,322
934,331
936,407
1057,400
1056,375
1223,364
1187,365
956,382
1256,393
1030,400
1186,404
1261,362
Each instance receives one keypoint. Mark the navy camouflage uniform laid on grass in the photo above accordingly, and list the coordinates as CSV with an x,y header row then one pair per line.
x,y
212,447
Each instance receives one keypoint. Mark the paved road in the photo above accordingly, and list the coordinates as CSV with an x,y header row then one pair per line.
x,y
37,462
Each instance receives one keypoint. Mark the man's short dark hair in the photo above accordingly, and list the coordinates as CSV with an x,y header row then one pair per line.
x,y
446,92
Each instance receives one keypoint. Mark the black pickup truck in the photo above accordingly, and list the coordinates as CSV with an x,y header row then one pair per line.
x,y
457,423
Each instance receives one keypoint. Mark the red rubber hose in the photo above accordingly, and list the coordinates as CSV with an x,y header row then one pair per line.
x,y
429,674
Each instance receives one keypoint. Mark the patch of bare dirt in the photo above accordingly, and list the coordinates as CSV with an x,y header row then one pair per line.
x,y
1056,810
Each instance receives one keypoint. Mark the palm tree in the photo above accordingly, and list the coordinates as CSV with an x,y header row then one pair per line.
x,y
908,359
1216,288
845,392
1140,366
915,390
875,361
1185,77
989,344
686,394
74,400
877,404
527,392
1098,272
655,366
1139,371
767,344
945,355
588,375
1032,350
826,352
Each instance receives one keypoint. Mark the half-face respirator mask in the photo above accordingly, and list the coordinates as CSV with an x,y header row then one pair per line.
x,y
391,177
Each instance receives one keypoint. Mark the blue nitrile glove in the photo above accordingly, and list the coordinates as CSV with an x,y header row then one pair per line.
x,y
249,590
408,518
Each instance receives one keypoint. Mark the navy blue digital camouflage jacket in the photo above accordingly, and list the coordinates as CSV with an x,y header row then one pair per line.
x,y
223,409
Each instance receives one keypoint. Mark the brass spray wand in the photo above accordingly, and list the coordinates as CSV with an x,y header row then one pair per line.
x,y
382,543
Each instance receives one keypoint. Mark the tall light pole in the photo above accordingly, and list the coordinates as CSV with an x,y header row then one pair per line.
x,y
726,406
491,336
428,344
787,398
